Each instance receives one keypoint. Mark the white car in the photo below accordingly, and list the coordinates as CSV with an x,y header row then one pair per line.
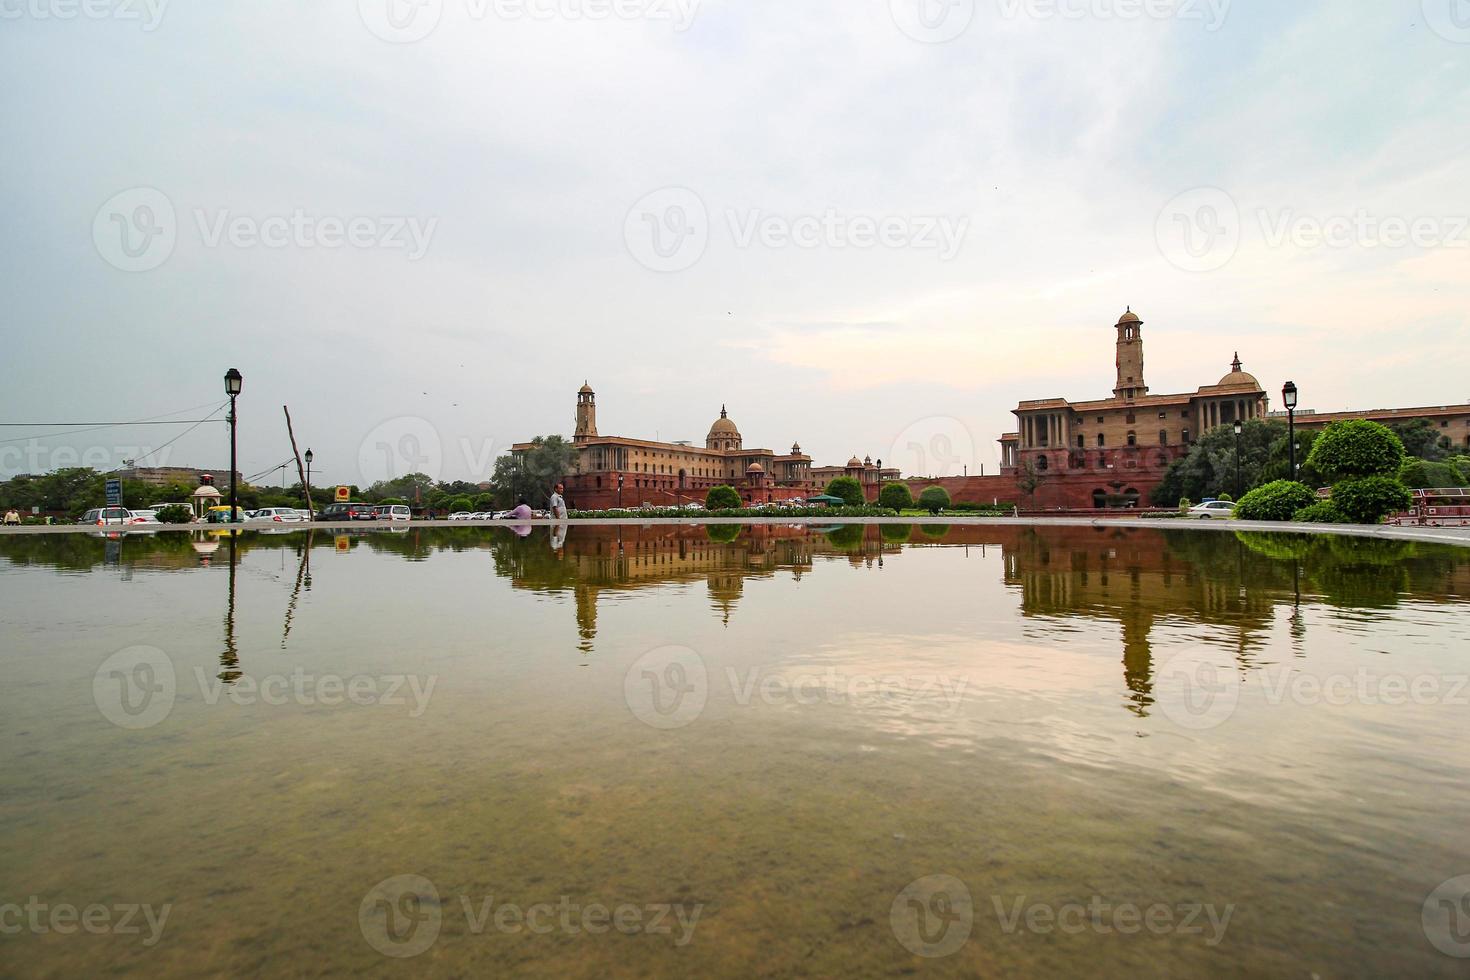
x,y
279,515
392,512
1215,510
145,517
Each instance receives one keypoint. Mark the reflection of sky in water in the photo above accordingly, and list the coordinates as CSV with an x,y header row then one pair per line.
x,y
1053,713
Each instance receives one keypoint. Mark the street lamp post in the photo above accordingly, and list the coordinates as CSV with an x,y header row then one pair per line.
x,y
309,457
620,491
1288,398
233,382
1239,488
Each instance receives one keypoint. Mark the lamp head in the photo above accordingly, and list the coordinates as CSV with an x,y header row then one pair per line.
x,y
1289,395
233,382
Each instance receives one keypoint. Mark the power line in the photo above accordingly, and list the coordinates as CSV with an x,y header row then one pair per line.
x,y
181,434
98,426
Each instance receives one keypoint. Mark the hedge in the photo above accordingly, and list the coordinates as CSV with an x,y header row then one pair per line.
x,y
1371,499
1322,512
1276,501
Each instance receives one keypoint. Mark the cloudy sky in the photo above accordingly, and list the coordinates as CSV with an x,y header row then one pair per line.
x,y
870,225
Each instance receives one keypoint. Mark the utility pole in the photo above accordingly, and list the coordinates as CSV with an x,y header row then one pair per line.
x,y
301,473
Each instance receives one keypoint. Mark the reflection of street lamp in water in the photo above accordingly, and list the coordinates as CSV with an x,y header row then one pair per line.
x,y
229,660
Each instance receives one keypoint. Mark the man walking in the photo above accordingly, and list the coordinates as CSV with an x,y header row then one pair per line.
x,y
558,504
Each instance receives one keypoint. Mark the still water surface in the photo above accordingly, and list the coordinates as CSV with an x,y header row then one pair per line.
x,y
735,751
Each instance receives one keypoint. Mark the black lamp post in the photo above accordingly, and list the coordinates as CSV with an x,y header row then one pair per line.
x,y
233,383
620,491
1239,428
1288,398
309,457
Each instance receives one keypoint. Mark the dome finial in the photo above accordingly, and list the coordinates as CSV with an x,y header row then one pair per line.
x,y
1236,365
723,414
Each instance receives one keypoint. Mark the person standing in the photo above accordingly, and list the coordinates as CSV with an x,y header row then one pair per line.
x,y
558,504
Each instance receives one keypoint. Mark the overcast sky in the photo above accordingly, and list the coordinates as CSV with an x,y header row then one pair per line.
x,y
867,225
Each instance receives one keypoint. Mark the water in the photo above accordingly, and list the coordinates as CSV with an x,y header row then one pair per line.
x,y
864,752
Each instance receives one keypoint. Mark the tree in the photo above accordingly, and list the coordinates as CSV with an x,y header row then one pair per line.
x,y
896,497
722,498
1418,473
1369,499
175,514
532,474
1357,448
461,505
849,489
1029,479
1422,439
1278,501
1208,469
934,499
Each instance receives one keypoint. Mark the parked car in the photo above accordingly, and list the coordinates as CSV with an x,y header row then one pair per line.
x,y
279,515
346,512
148,516
106,515
392,512
305,514
1218,510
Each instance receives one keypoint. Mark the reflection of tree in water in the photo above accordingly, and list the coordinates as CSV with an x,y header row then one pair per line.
x,y
896,533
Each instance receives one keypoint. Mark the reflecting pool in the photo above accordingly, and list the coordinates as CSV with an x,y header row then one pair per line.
x,y
734,751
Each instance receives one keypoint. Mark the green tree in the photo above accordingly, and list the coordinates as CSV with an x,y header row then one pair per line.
x,y
1418,473
1278,501
849,489
1209,468
934,499
722,498
461,505
175,514
896,497
1422,439
1357,448
532,474
1369,499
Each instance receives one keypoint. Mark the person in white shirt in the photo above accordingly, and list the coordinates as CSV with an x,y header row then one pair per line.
x,y
558,505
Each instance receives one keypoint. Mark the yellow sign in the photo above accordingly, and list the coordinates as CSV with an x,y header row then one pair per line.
x,y
343,543
344,494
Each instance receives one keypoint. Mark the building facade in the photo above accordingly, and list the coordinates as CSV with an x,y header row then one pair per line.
x,y
865,471
1110,452
164,476
616,471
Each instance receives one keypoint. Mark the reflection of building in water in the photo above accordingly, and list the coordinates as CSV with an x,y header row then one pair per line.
x,y
598,559
1136,579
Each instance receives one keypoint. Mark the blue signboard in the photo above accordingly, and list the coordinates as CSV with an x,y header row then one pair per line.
x,y
114,493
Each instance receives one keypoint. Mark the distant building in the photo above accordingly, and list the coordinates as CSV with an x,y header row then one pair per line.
x,y
1453,421
613,471
163,476
1112,452
865,471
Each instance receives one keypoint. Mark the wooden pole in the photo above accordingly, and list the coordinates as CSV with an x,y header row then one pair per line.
x,y
300,472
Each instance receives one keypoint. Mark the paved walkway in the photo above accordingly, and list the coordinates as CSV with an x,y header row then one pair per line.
x,y
1441,535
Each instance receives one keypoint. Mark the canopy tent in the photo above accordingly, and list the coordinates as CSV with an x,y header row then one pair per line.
x,y
826,498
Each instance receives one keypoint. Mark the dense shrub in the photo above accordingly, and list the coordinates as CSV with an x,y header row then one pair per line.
x,y
1184,504
934,499
461,505
1356,448
1226,498
896,496
723,533
1371,499
848,488
722,498
1322,512
175,514
1420,473
1277,501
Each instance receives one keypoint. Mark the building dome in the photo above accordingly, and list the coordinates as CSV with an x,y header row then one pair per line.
x,y
796,449
855,463
723,426
586,389
755,468
1239,377
1129,317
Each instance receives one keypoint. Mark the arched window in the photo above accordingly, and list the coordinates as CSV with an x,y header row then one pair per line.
x,y
1133,438
1042,463
1102,440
